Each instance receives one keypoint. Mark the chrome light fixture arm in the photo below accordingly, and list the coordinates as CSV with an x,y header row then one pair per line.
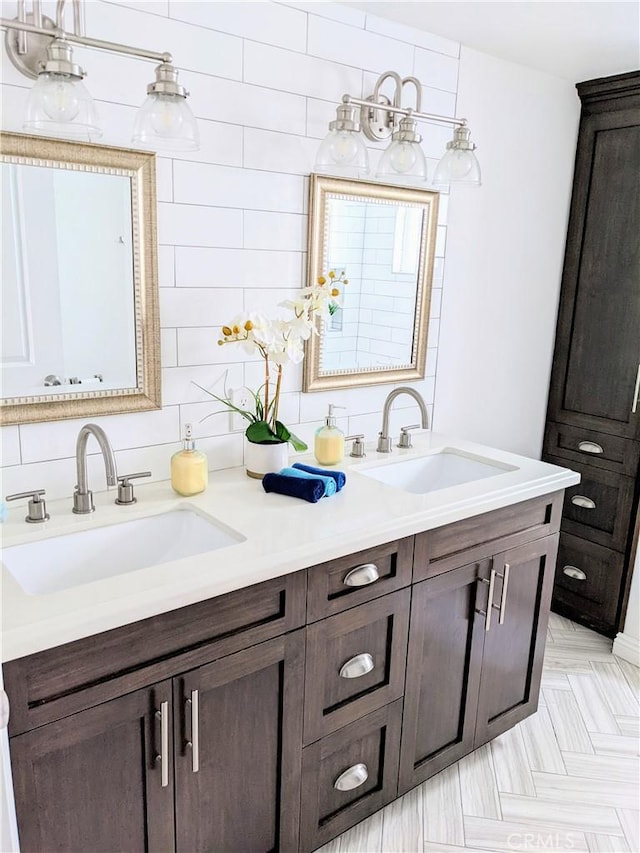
x,y
53,31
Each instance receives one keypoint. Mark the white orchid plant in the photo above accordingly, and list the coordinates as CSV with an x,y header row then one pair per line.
x,y
278,342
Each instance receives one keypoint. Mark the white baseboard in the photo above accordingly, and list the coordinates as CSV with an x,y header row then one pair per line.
x,y
627,648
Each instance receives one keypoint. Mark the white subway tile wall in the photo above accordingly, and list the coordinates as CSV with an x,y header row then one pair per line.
x,y
264,78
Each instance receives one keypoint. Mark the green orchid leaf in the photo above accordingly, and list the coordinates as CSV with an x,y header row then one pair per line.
x,y
284,434
260,432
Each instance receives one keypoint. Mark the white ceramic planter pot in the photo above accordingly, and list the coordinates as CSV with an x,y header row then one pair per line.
x,y
260,459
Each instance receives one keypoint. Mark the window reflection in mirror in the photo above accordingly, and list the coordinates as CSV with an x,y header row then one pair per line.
x,y
67,281
80,321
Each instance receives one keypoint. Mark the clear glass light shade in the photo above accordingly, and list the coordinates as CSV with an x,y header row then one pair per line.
x,y
166,123
60,105
342,152
403,162
458,166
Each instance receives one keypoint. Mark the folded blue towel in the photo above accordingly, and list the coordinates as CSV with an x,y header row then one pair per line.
x,y
294,487
338,476
330,487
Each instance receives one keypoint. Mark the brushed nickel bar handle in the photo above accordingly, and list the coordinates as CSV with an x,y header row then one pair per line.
x,y
362,575
163,757
636,393
490,605
583,501
503,597
590,447
575,573
194,743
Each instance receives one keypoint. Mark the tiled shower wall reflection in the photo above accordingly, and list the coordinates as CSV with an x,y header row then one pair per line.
x,y
264,79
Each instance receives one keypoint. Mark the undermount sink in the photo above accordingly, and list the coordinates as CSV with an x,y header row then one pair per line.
x,y
72,559
438,471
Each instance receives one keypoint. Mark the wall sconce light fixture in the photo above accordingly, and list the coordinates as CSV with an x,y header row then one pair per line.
x,y
59,103
343,151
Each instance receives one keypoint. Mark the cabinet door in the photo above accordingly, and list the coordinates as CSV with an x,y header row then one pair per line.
x,y
443,670
597,359
95,781
238,741
515,639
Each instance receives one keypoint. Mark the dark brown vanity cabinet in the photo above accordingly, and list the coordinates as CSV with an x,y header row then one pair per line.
x,y
92,780
593,417
206,759
476,647
278,716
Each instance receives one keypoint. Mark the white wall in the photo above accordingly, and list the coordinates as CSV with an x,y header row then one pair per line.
x,y
264,78
232,219
505,246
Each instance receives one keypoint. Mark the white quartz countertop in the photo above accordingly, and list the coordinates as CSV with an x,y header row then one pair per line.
x,y
281,535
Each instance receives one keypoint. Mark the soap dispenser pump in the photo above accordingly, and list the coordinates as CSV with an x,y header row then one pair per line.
x,y
329,441
189,467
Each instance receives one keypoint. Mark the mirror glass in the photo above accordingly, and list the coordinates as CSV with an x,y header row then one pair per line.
x,y
383,238
79,296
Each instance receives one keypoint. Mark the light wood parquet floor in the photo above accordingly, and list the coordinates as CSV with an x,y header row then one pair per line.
x,y
565,779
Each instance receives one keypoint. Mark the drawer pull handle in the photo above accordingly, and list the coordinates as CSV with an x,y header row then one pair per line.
x,y
362,575
194,743
352,778
584,502
575,573
503,597
590,447
490,605
163,757
357,666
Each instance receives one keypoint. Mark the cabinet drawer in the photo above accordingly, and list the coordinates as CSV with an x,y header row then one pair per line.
x,y
592,448
355,663
588,579
481,536
52,684
362,760
599,507
347,581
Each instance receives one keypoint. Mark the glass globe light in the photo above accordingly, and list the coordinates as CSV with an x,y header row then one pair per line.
x,y
59,103
165,121
343,151
404,160
459,165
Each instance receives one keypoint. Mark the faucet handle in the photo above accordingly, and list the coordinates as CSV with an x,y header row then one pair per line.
x,y
405,438
37,508
357,448
125,489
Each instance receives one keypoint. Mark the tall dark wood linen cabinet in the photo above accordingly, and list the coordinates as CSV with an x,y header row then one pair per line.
x,y
593,416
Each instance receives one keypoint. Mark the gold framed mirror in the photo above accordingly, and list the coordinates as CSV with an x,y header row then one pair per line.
x,y
383,238
80,316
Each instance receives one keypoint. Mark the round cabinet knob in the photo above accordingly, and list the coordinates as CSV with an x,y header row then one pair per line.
x,y
357,666
352,778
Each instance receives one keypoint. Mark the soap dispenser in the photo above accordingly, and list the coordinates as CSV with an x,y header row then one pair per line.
x,y
189,467
329,441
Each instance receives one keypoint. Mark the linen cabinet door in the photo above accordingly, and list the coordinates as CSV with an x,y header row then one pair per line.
x,y
443,671
238,740
515,636
99,780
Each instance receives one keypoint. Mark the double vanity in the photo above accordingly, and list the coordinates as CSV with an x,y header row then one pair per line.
x,y
243,671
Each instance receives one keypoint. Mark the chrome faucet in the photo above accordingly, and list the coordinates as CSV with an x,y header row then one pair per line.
x,y
82,495
384,442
